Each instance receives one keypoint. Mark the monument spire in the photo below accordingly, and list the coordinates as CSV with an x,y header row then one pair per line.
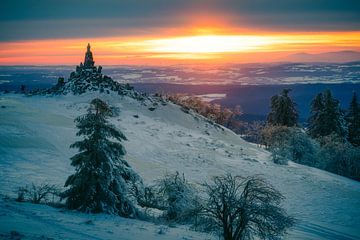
x,y
89,61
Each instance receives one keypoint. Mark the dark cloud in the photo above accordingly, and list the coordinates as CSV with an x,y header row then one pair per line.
x,y
38,19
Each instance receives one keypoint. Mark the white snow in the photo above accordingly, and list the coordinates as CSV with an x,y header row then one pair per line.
x,y
36,132
44,222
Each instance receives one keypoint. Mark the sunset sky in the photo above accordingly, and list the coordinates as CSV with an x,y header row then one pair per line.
x,y
46,32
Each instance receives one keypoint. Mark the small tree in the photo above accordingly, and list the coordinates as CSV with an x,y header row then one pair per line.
x,y
179,196
339,156
290,143
272,135
303,149
283,110
326,116
242,208
276,140
316,120
174,195
100,183
334,116
353,120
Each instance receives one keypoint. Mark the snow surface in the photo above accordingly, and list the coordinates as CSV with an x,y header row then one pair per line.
x,y
36,132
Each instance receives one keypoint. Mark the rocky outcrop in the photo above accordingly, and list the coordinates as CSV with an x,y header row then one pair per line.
x,y
88,77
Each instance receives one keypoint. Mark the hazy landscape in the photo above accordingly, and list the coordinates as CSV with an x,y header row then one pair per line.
x,y
247,85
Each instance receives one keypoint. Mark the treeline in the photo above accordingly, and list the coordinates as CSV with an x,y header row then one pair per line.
x,y
227,117
215,112
330,141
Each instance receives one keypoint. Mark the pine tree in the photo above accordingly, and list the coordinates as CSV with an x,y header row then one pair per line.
x,y
316,119
283,110
334,116
353,120
102,177
326,116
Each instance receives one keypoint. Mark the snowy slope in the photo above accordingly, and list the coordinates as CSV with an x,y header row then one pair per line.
x,y
36,132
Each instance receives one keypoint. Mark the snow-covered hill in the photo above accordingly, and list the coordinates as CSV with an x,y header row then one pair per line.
x,y
35,134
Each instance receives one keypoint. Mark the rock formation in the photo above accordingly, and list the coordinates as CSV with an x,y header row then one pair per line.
x,y
88,77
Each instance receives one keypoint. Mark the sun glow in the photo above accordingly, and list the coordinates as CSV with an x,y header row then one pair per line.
x,y
172,49
218,46
208,44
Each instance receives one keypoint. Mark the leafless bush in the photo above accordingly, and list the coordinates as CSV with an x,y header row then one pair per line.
x,y
241,208
152,199
21,194
37,194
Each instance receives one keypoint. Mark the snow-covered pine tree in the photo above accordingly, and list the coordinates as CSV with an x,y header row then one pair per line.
x,y
353,120
283,110
326,116
316,119
334,116
102,177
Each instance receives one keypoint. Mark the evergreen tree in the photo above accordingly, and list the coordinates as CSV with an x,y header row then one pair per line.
x,y
102,177
283,110
353,120
22,88
316,119
326,116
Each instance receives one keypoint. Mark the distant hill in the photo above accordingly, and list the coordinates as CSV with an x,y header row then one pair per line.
x,y
330,57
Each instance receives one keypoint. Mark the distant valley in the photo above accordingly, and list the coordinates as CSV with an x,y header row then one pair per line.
x,y
247,85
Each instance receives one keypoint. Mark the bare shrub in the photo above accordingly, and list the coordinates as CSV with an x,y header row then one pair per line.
x,y
241,208
21,194
151,198
37,194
